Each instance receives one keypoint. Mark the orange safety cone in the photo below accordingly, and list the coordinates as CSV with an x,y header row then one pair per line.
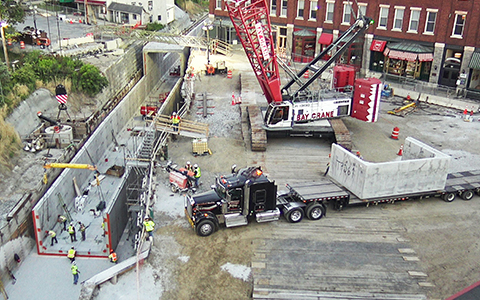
x,y
71,21
306,74
400,152
409,98
395,133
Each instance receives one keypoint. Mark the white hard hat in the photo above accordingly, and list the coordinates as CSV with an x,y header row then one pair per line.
x,y
195,166
74,263
174,113
188,162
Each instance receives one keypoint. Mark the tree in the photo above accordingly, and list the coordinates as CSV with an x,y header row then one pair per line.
x,y
90,80
12,12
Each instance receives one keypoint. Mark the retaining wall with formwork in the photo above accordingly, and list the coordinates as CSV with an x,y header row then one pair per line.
x,y
422,169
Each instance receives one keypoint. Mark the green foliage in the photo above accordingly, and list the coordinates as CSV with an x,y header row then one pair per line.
x,y
12,12
26,76
155,26
90,80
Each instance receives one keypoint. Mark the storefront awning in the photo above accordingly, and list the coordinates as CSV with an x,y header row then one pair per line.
x,y
425,57
378,45
475,61
325,39
394,54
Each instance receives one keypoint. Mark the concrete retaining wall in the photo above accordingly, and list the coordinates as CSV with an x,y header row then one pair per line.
x,y
421,169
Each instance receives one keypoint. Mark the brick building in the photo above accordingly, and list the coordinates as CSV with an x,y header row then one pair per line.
x,y
432,41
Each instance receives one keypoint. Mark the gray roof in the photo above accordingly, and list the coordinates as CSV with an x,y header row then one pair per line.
x,y
133,9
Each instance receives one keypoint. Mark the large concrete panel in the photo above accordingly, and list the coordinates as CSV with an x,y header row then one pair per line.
x,y
421,169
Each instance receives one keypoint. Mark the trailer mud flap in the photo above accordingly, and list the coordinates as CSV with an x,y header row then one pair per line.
x,y
189,219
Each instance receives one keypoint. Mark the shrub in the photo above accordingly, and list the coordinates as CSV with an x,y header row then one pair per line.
x,y
90,80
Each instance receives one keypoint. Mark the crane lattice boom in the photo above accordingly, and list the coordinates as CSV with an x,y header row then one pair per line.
x,y
251,20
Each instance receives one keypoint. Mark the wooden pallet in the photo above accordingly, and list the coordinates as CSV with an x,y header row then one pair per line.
x,y
342,135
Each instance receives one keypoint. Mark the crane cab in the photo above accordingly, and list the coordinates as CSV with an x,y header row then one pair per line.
x,y
279,115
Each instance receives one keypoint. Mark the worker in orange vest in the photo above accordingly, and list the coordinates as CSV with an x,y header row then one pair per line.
x,y
113,256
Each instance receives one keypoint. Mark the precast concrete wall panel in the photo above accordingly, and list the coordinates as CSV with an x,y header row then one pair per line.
x,y
422,169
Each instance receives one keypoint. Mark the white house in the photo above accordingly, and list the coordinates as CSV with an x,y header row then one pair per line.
x,y
139,12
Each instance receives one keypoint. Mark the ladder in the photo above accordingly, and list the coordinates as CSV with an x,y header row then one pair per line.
x,y
64,206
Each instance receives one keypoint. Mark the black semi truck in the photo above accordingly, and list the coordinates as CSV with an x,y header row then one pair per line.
x,y
245,195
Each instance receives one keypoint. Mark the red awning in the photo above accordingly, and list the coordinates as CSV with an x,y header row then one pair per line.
x,y
425,57
325,39
394,54
378,45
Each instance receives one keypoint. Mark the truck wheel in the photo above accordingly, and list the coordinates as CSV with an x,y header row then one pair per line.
x,y
449,197
295,215
315,212
205,228
477,191
467,195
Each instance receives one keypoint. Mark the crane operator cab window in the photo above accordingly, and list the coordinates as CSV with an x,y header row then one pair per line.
x,y
279,114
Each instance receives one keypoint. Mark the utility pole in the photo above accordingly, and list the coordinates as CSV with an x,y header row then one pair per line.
x,y
4,24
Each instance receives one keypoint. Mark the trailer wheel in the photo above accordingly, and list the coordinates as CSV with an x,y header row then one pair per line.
x,y
295,215
315,212
205,227
449,197
173,188
467,195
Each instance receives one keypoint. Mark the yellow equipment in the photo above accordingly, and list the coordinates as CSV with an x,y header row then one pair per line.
x,y
70,166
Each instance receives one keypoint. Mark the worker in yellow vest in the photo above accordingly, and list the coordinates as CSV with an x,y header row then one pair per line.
x,y
75,272
53,235
197,174
72,232
149,226
62,220
71,254
175,121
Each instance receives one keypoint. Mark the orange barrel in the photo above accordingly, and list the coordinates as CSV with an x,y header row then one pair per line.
x,y
306,75
22,45
395,133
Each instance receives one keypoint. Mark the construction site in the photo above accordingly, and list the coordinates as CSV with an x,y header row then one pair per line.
x,y
124,162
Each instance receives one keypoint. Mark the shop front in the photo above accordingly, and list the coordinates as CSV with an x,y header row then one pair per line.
x,y
325,40
474,80
408,60
304,45
377,59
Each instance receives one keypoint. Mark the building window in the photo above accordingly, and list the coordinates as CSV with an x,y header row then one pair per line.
x,y
273,7
382,22
134,16
329,15
414,18
140,4
313,10
159,17
347,13
362,9
150,5
300,9
133,3
218,4
430,22
284,8
459,24
398,22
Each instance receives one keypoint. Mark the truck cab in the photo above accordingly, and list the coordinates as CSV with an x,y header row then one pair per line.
x,y
233,201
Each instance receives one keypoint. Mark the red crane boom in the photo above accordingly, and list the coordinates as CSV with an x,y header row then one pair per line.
x,y
251,20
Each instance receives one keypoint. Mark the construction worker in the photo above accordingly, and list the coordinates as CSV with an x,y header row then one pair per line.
x,y
197,173
103,229
75,272
359,155
62,220
188,166
53,235
328,164
71,254
175,121
149,226
72,232
113,256
82,230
